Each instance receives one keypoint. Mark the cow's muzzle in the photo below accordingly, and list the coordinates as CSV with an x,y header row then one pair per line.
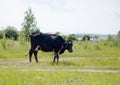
x,y
70,50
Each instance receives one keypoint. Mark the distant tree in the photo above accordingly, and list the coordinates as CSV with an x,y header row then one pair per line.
x,y
110,38
72,37
29,24
11,33
1,35
3,40
118,37
58,33
86,38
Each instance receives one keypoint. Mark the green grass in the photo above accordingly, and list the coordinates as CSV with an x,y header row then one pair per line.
x,y
17,77
80,49
94,49
97,57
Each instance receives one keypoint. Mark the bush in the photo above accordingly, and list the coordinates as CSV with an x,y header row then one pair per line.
x,y
72,37
112,42
3,42
11,33
86,38
110,38
21,38
118,37
1,35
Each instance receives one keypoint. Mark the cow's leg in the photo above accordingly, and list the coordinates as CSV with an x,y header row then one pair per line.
x,y
35,54
31,51
55,56
54,59
30,54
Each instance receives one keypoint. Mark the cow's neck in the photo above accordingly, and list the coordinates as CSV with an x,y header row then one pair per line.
x,y
62,50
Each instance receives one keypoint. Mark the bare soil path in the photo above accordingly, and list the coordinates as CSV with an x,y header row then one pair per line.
x,y
45,65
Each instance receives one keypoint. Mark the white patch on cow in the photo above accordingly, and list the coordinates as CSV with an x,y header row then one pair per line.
x,y
53,37
36,49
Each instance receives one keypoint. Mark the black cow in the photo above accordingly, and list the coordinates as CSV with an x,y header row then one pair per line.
x,y
48,43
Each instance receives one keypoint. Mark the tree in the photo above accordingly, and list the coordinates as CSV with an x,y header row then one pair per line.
x,y
110,38
86,38
118,36
29,24
72,37
58,33
1,35
11,33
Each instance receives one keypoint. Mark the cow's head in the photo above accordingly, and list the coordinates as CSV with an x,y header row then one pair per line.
x,y
68,45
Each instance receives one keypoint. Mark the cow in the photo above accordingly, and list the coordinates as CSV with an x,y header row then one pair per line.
x,y
48,43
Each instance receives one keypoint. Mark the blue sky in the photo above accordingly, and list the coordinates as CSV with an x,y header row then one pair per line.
x,y
66,16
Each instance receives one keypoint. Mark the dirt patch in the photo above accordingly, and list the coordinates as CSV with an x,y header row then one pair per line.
x,y
45,64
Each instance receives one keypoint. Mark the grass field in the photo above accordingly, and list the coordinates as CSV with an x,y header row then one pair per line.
x,y
91,63
18,77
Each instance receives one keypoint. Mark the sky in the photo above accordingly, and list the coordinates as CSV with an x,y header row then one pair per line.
x,y
65,16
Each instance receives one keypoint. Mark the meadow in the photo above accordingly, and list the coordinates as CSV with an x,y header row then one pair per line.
x,y
91,63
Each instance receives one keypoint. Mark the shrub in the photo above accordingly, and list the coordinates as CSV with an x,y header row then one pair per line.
x,y
3,42
97,47
1,35
110,38
11,33
118,37
86,38
72,37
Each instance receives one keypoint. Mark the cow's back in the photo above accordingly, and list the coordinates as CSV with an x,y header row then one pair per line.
x,y
47,42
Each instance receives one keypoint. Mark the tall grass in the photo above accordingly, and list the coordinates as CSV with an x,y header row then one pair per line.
x,y
14,49
95,49
3,43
